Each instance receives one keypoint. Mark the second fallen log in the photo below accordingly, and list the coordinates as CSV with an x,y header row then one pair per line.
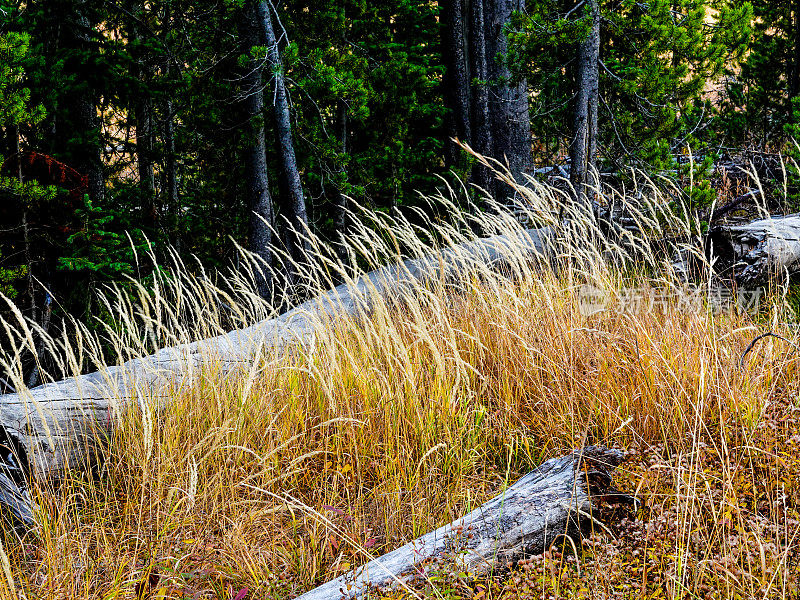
x,y
553,500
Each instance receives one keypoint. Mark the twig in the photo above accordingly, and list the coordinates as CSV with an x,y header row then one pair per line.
x,y
761,337
723,210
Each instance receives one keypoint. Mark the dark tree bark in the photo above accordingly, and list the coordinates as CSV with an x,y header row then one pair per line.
x,y
508,99
293,204
487,111
144,156
86,104
170,160
584,143
341,199
143,117
481,121
47,313
794,76
79,105
259,200
457,77
14,143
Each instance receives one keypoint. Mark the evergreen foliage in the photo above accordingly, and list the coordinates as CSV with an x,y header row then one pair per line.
x,y
658,60
761,106
132,120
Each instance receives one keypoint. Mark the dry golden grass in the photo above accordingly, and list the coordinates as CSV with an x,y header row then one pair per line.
x,y
393,427
265,483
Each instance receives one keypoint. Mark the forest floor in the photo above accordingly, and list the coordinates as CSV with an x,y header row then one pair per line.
x,y
270,483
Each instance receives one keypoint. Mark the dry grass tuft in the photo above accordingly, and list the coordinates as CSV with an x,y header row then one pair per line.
x,y
265,483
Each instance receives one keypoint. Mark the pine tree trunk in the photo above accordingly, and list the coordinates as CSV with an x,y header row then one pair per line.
x,y
47,313
144,156
594,101
170,162
482,134
259,200
456,78
170,165
293,204
74,135
341,199
508,101
582,159
88,120
26,231
143,117
794,76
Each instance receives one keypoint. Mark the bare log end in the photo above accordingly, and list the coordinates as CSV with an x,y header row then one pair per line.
x,y
758,253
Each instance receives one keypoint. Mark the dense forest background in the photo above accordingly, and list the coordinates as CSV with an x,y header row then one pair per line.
x,y
133,126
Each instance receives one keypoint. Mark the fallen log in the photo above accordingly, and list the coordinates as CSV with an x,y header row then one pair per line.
x,y
553,500
754,254
59,426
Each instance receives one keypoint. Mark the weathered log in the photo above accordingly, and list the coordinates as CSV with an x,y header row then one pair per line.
x,y
754,254
17,504
555,499
58,426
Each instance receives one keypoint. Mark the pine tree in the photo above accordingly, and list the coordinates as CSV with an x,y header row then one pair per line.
x,y
761,107
17,195
657,60
368,103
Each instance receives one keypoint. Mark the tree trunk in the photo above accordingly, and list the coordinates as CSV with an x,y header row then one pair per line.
x,y
582,159
553,500
144,156
592,175
16,152
259,200
794,75
341,198
80,120
293,205
63,425
39,353
508,101
170,166
170,161
143,118
88,121
481,121
456,78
